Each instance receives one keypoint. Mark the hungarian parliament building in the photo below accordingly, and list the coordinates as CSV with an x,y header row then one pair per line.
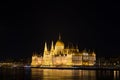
x,y
58,55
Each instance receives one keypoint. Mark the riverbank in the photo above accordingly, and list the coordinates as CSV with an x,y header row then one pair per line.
x,y
82,68
66,67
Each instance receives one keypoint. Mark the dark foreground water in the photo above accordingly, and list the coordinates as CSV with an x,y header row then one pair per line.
x,y
56,74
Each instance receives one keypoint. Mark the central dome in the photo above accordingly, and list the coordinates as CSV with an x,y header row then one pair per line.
x,y
59,43
59,46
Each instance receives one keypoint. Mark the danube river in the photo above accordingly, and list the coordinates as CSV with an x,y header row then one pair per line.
x,y
57,74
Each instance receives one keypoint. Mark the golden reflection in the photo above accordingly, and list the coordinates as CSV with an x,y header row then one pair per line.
x,y
53,74
116,74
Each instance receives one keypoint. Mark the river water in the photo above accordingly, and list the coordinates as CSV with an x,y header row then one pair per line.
x,y
57,74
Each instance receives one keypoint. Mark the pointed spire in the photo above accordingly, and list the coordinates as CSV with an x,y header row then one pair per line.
x,y
93,53
59,36
77,48
52,47
45,49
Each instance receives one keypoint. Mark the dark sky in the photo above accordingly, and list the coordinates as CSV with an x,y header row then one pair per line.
x,y
24,27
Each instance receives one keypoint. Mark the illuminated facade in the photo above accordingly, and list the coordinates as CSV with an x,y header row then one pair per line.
x,y
58,55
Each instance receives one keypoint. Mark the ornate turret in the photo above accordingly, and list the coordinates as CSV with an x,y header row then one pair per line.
x,y
59,37
52,47
93,53
45,48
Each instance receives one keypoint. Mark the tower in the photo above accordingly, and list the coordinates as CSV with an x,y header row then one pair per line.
x,y
47,57
59,37
45,49
52,49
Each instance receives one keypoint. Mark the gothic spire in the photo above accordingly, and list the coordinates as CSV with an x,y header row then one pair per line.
x,y
45,49
59,36
52,47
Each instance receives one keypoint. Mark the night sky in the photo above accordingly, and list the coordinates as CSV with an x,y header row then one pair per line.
x,y
24,27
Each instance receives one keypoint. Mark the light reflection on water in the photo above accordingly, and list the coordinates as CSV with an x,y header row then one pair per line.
x,y
116,74
53,74
57,74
